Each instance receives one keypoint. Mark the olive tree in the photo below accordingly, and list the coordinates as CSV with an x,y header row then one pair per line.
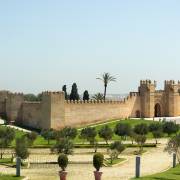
x,y
106,133
21,148
123,130
170,128
115,150
6,137
173,146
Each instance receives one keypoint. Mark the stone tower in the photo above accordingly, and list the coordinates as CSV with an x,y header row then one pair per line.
x,y
172,98
147,90
53,108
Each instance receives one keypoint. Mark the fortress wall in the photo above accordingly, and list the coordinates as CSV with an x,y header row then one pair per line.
x,y
31,114
79,113
3,96
13,105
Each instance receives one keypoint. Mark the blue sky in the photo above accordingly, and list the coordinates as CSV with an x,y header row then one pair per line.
x,y
47,43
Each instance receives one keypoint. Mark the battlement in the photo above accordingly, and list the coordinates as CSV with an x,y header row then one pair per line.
x,y
134,94
171,82
147,82
93,102
52,92
32,102
15,94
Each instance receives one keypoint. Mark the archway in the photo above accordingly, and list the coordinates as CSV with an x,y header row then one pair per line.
x,y
138,114
157,110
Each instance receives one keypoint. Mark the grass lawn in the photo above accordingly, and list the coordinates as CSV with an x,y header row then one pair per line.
x,y
40,141
9,177
112,124
171,174
7,161
107,161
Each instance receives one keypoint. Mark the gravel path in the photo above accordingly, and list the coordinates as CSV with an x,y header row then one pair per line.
x,y
154,161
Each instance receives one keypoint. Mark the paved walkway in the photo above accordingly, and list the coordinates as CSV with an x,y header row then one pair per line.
x,y
156,160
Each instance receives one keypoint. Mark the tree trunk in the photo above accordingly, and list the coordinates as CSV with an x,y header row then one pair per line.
x,y
105,88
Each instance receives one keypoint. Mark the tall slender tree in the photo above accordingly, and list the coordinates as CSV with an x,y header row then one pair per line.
x,y
74,92
106,79
65,91
86,95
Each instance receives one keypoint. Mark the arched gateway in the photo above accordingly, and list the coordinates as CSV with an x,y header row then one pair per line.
x,y
157,110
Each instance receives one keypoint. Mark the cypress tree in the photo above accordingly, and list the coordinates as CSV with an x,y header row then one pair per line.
x,y
86,95
74,93
65,91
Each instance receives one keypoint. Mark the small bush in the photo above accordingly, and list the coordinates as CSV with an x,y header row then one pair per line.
x,y
98,159
63,161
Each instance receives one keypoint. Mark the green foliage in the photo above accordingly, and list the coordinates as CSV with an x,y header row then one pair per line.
x,y
155,127
74,93
86,96
6,137
173,146
21,148
31,97
118,146
63,161
122,130
67,132
89,134
171,174
63,145
141,129
106,79
98,159
157,130
48,134
106,133
115,150
31,137
140,140
98,97
157,134
170,128
65,91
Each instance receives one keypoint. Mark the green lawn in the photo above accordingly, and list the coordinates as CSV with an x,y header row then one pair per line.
x,y
7,161
112,124
172,174
9,177
107,161
40,141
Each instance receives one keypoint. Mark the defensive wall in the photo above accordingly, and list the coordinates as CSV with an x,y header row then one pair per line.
x,y
56,112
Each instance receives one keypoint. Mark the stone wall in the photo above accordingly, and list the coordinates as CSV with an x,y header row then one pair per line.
x,y
78,113
31,115
55,112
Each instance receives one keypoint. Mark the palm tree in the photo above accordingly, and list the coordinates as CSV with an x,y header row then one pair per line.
x,y
98,97
106,79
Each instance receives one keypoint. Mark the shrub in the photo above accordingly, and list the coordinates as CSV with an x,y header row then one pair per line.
x,y
67,132
63,161
140,140
106,133
115,149
63,145
21,148
173,146
48,134
170,128
155,127
141,129
98,159
122,129
31,137
89,134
